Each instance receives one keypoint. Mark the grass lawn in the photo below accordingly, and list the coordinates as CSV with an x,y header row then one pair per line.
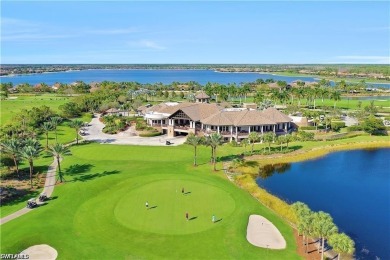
x,y
100,212
10,107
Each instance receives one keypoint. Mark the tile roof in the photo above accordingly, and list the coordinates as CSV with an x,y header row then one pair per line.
x,y
212,114
275,115
202,95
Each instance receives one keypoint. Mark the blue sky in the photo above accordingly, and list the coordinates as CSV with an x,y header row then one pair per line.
x,y
195,32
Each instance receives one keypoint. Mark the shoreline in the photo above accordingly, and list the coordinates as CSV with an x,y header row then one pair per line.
x,y
281,208
317,152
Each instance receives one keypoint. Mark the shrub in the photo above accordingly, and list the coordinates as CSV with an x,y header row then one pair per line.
x,y
305,136
337,125
353,128
307,128
149,134
234,143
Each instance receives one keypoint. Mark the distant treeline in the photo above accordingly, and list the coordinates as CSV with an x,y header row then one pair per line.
x,y
378,71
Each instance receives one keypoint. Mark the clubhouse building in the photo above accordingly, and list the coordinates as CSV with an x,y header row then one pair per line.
x,y
202,118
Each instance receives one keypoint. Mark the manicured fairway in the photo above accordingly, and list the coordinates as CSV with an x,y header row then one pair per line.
x,y
10,107
100,212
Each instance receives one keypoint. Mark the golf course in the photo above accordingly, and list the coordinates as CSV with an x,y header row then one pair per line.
x,y
100,212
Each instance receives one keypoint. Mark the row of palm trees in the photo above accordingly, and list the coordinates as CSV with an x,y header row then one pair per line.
x,y
214,140
30,149
320,224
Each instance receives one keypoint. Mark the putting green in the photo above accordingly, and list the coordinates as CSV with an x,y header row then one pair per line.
x,y
168,206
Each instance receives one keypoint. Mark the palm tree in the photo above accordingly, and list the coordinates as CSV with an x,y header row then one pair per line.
x,y
288,138
259,97
244,143
336,96
280,140
77,124
47,127
342,244
304,217
58,151
300,94
12,148
194,141
214,140
328,121
55,121
30,152
269,138
324,228
253,137
316,121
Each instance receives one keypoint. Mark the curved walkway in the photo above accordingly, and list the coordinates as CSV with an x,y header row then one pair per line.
x,y
48,190
94,132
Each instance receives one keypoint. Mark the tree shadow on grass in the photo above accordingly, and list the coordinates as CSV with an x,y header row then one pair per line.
x,y
230,157
18,198
78,168
88,177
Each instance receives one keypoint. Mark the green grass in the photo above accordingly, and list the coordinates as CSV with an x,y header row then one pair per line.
x,y
40,166
336,79
100,212
10,107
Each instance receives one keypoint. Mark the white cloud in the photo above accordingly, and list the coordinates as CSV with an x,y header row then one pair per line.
x,y
113,31
151,45
146,44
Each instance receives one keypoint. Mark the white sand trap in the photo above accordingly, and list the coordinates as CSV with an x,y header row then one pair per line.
x,y
262,233
41,252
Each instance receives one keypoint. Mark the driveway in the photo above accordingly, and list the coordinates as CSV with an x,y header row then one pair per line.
x,y
94,133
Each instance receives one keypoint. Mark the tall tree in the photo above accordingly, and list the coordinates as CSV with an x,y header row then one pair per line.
x,y
336,96
304,216
30,152
214,140
342,244
324,228
244,143
12,147
59,151
269,138
253,138
77,124
55,121
288,138
46,128
195,141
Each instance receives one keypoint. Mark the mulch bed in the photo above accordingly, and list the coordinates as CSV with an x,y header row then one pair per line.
x,y
312,249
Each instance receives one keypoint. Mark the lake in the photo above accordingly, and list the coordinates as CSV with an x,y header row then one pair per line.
x,y
150,76
352,186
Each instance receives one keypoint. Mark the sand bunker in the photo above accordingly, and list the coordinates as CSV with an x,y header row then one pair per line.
x,y
262,233
41,252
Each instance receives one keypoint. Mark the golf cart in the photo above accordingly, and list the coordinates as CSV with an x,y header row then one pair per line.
x,y
31,203
42,197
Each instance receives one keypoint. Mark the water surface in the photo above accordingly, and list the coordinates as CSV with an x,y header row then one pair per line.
x,y
150,76
353,186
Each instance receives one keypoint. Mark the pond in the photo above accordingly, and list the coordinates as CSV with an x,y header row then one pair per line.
x,y
353,186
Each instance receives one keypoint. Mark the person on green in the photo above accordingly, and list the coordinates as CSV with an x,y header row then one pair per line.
x,y
147,205
213,218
